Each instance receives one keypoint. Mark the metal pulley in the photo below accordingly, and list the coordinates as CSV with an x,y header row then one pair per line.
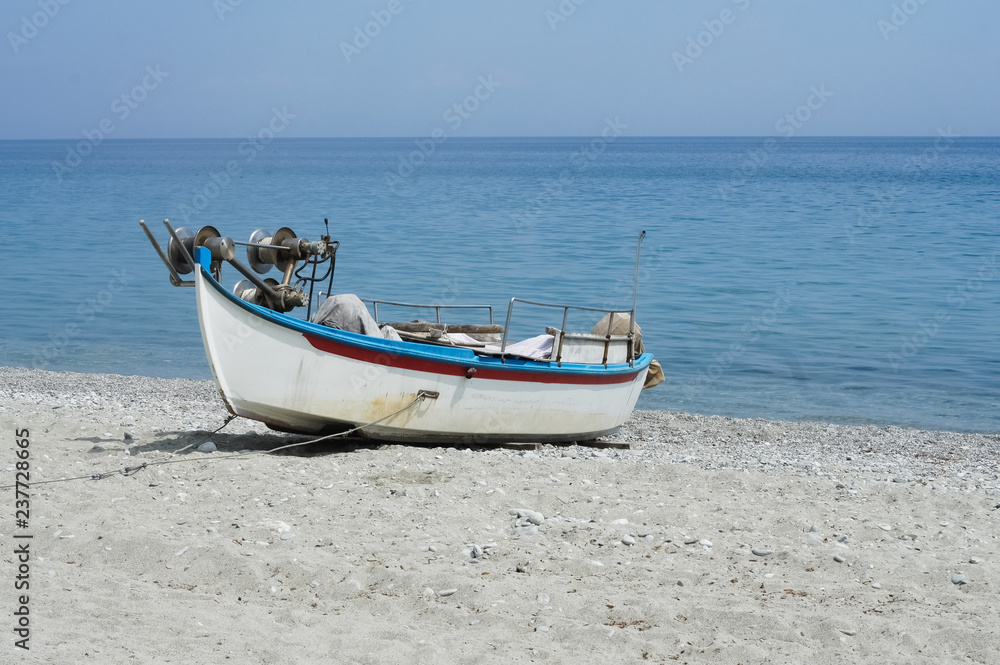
x,y
280,249
175,253
222,249
260,258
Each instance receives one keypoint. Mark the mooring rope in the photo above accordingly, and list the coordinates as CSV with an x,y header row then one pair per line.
x,y
131,470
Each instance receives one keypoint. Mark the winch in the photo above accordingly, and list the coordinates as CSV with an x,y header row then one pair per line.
x,y
283,250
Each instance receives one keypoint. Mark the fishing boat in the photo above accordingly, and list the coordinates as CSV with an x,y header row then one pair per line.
x,y
339,367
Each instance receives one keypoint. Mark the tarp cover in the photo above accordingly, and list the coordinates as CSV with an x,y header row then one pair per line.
x,y
345,311
534,348
619,326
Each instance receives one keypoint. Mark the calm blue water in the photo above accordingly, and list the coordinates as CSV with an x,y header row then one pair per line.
x,y
844,280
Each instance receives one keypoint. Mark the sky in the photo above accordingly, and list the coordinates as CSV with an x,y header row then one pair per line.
x,y
227,68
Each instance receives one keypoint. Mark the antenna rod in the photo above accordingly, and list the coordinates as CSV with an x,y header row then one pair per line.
x,y
635,285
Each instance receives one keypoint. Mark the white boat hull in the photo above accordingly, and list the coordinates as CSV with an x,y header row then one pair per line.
x,y
297,376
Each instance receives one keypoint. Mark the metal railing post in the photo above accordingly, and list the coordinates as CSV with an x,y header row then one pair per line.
x,y
635,297
506,328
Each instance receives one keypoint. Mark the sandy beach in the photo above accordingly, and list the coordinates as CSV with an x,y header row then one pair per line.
x,y
681,539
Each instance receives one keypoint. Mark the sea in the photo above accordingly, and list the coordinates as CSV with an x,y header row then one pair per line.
x,y
841,280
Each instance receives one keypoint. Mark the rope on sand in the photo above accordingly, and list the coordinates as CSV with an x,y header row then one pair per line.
x,y
131,470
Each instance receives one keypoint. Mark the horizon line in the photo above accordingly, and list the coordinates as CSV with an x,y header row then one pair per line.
x,y
516,136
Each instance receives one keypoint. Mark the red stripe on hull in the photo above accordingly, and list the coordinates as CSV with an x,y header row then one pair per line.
x,y
450,369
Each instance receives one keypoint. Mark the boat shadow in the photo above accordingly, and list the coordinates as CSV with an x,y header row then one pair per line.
x,y
186,442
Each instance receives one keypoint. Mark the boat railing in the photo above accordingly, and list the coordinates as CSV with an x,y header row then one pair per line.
x,y
563,335
437,308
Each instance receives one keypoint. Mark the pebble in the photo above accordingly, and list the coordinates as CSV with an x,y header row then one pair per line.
x,y
529,530
127,437
628,540
838,558
476,552
876,585
287,536
848,631
532,516
444,593
620,521
705,543
690,541
958,578
885,527
761,551
207,447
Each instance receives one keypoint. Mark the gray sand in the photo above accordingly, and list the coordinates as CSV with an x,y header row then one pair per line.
x,y
712,538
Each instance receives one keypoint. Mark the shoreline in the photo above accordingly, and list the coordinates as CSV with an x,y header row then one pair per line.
x,y
711,442
730,539
838,419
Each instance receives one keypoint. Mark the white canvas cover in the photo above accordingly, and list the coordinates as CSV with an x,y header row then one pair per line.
x,y
534,348
345,311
